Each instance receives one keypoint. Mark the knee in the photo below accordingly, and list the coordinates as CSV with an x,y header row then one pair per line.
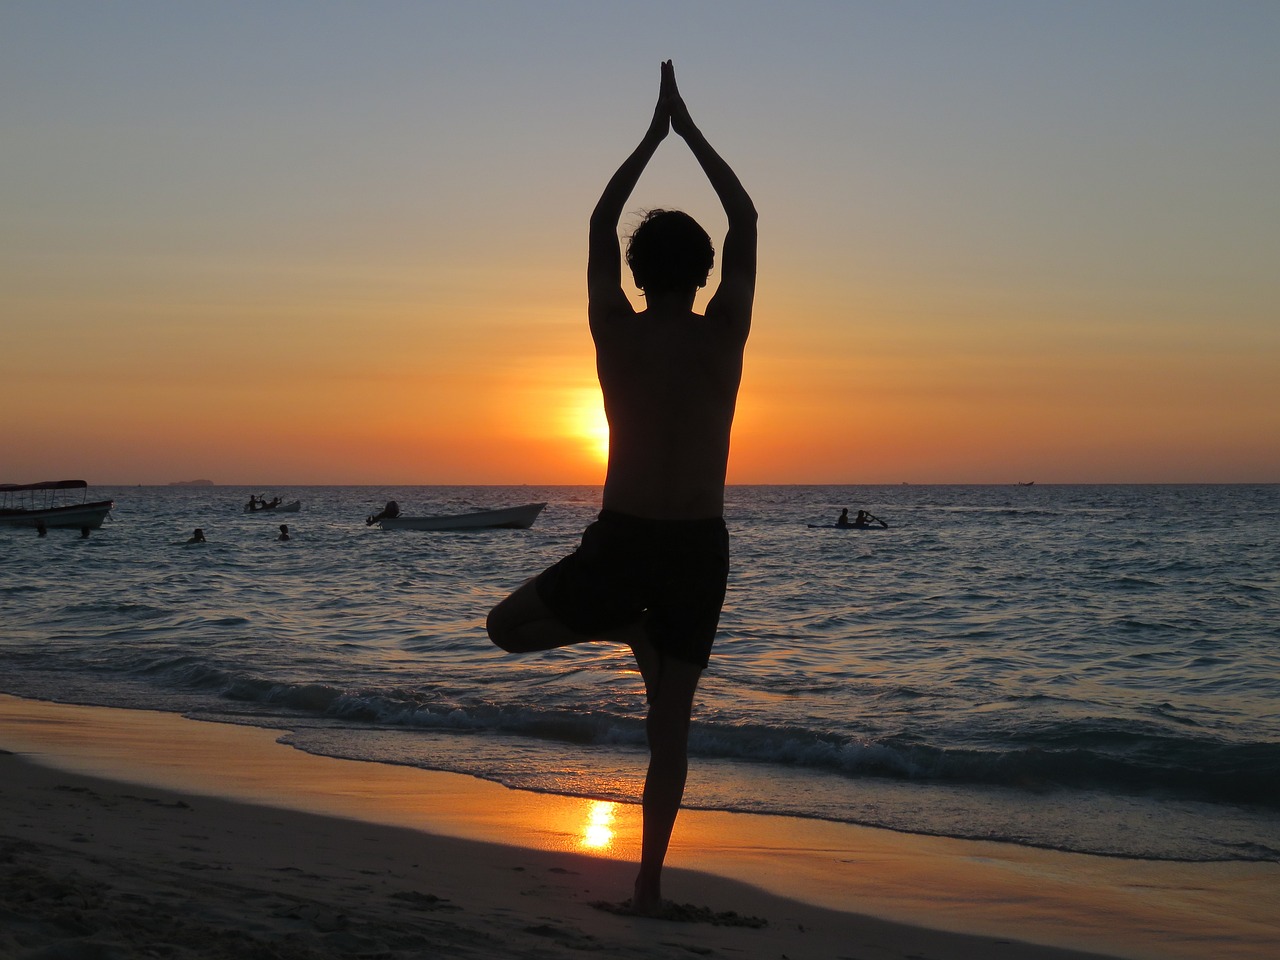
x,y
508,629
497,627
668,738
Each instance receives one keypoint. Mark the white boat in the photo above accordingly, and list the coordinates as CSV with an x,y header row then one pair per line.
x,y
514,518
33,504
293,506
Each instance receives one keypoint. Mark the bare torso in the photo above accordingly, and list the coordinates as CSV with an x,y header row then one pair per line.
x,y
670,382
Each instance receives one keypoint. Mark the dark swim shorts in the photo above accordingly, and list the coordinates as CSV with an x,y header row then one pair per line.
x,y
670,573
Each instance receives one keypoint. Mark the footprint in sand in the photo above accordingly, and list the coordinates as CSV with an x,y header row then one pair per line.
x,y
685,913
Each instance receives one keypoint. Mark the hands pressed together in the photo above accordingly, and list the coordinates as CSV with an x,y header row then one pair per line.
x,y
672,114
671,110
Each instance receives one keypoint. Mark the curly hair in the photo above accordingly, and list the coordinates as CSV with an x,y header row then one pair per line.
x,y
669,251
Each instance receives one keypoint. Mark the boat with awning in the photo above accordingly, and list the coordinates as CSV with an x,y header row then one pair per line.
x,y
51,503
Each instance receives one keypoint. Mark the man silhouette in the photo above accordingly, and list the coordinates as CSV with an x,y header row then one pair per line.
x,y
651,571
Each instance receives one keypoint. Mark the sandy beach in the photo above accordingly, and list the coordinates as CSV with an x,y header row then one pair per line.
x,y
131,833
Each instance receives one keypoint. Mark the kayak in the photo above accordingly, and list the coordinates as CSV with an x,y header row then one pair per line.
x,y
845,526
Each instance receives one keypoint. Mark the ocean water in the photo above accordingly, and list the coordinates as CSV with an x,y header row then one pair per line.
x,y
1087,668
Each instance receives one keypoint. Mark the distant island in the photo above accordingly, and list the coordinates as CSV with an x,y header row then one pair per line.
x,y
191,483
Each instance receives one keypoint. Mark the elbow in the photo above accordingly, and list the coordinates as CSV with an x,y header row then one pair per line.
x,y
744,214
742,223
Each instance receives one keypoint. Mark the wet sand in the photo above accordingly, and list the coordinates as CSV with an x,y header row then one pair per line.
x,y
130,833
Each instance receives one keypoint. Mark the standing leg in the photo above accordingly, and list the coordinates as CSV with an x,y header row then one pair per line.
x,y
522,623
671,684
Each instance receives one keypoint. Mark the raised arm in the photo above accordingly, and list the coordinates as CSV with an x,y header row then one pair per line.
x,y
736,293
604,255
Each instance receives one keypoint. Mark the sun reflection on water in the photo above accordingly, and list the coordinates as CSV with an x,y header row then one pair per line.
x,y
597,832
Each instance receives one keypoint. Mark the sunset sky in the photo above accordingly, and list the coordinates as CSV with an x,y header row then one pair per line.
x,y
322,242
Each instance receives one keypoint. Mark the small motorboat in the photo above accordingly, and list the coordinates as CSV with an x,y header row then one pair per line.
x,y
293,506
34,504
511,518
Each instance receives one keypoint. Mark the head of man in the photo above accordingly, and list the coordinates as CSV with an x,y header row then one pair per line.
x,y
669,253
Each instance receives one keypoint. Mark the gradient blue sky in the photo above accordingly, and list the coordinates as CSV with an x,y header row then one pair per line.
x,y
345,242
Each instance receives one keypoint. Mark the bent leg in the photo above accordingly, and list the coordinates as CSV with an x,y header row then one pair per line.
x,y
671,685
522,623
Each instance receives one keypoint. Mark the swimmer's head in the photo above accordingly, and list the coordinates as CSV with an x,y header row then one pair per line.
x,y
668,252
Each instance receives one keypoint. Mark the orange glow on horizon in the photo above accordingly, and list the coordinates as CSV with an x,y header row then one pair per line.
x,y
503,400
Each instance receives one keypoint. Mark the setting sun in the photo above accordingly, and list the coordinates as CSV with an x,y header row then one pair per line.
x,y
587,422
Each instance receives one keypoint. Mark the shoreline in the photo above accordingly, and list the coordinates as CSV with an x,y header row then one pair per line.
x,y
822,887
